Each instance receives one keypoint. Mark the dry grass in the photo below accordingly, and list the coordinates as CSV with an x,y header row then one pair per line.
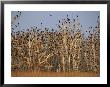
x,y
54,74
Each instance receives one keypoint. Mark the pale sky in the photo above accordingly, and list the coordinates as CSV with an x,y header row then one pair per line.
x,y
51,18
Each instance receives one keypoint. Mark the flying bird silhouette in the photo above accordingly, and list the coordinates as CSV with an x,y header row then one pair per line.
x,y
17,16
59,21
50,15
67,15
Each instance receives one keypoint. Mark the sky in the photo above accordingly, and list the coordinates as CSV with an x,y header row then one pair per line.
x,y
51,18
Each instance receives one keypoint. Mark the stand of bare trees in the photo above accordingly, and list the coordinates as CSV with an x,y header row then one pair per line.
x,y
64,50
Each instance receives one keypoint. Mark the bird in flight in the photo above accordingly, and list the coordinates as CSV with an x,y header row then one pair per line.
x,y
50,15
